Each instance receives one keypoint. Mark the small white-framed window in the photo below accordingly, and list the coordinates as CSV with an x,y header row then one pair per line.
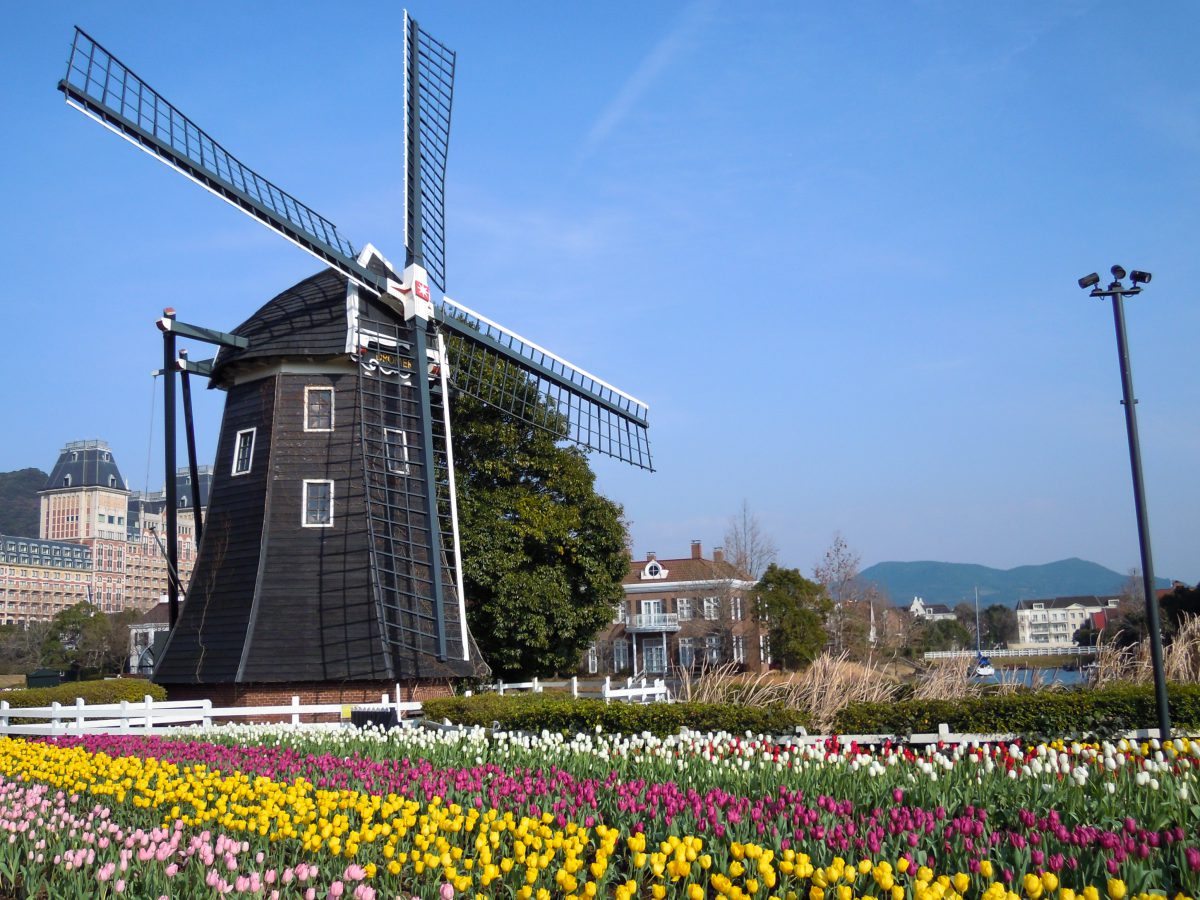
x,y
712,649
67,480
735,610
593,659
712,608
395,450
683,606
619,613
739,648
318,408
318,504
243,451
687,652
620,655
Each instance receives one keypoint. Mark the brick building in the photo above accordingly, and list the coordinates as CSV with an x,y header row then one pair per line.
x,y
98,541
686,613
39,579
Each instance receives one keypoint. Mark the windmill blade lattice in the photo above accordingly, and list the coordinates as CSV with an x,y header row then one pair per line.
x,y
495,365
101,86
429,92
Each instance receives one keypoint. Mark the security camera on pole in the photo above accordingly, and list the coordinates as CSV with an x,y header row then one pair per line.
x,y
1119,292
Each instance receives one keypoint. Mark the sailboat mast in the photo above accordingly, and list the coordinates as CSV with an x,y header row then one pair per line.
x,y
978,634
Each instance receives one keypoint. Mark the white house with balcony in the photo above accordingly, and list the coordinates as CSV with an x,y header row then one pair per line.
x,y
688,612
1052,622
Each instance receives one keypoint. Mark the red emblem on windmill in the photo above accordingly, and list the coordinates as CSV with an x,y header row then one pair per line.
x,y
422,290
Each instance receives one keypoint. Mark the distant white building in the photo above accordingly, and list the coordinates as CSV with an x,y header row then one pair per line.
x,y
930,612
1053,622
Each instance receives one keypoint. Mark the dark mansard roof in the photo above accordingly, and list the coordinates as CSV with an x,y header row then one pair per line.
x,y
85,464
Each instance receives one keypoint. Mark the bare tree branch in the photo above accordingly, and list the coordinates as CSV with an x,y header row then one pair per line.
x,y
747,546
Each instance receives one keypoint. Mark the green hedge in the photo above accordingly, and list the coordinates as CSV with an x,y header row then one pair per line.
x,y
1079,712
554,712
111,691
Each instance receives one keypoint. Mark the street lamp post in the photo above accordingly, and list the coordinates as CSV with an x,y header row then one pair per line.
x,y
1118,292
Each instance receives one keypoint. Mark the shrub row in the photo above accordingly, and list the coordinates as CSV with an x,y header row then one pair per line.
x,y
1029,713
556,713
111,691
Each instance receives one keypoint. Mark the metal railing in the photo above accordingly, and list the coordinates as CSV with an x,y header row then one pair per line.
x,y
1048,650
655,620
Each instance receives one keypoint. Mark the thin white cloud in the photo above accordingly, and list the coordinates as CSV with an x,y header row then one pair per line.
x,y
651,66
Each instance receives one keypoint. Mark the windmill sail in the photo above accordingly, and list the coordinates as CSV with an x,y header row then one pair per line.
x,y
102,87
486,359
429,92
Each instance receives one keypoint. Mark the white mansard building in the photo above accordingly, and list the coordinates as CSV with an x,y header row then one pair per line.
x,y
1053,622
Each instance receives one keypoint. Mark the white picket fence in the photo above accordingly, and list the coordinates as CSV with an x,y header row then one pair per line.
x,y
635,690
1002,653
150,714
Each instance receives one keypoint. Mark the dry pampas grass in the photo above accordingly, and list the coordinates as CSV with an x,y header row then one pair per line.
x,y
824,688
1131,665
834,681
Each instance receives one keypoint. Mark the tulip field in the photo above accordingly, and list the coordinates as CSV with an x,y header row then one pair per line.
x,y
295,811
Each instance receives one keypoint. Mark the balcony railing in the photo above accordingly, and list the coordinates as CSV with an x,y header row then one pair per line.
x,y
654,622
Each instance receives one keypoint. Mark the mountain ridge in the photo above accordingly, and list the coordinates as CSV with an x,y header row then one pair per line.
x,y
952,583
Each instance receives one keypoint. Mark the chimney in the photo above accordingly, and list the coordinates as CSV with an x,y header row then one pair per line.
x,y
651,555
718,554
697,552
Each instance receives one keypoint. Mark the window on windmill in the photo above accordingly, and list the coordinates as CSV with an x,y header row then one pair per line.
x,y
243,451
395,449
318,408
318,504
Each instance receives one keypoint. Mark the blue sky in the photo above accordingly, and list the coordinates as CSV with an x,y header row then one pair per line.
x,y
833,246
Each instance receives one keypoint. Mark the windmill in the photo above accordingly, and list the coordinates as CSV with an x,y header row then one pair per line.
x,y
330,551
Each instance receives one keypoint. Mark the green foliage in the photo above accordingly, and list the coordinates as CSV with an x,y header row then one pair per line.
x,y
564,714
1032,714
1177,607
110,691
998,624
543,553
795,609
944,634
21,647
19,504
84,637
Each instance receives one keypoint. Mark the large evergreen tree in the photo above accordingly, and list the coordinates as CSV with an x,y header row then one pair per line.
x,y
543,554
795,610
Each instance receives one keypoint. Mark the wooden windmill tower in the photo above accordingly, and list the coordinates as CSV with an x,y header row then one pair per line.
x,y
330,552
